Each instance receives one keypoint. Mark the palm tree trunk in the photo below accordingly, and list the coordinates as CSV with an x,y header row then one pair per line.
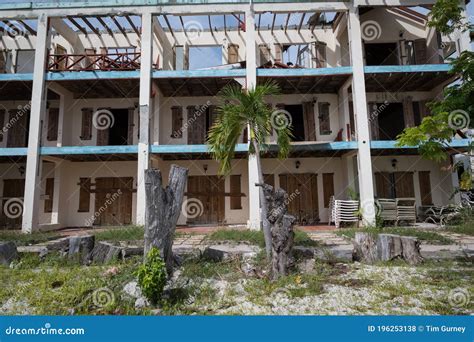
x,y
267,233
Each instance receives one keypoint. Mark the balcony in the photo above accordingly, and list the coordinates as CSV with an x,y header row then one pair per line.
x,y
92,62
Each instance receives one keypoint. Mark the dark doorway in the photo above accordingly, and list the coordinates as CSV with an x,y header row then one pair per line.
x,y
391,122
118,133
297,121
381,54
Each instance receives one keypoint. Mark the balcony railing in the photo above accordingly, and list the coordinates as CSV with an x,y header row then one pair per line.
x,y
87,62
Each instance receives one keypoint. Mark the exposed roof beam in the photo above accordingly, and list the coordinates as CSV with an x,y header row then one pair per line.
x,y
118,25
137,31
287,21
88,23
75,23
102,22
210,24
301,22
273,21
259,21
28,27
225,24
169,26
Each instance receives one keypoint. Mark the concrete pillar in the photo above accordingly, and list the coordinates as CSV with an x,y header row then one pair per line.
x,y
251,57
366,188
344,113
38,105
145,91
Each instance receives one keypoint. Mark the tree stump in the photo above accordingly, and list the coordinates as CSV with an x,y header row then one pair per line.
x,y
81,247
163,206
386,247
281,228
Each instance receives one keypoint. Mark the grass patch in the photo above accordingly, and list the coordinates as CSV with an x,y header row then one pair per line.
x,y
127,233
423,235
256,237
466,228
22,239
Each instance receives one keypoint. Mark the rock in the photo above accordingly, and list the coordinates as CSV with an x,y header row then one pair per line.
x,y
248,268
302,252
306,266
132,289
156,312
141,303
225,252
105,252
61,244
14,307
8,252
129,251
40,250
339,252
81,246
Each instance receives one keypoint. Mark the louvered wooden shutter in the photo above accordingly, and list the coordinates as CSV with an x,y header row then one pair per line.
x,y
3,62
212,115
235,192
3,113
265,55
374,120
278,52
425,187
84,194
269,179
102,137
382,184
320,54
404,184
232,53
324,119
351,120
308,116
86,128
177,122
131,126
408,112
17,136
328,188
49,192
420,51
53,117
196,130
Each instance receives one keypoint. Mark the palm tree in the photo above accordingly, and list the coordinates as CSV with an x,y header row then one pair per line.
x,y
240,109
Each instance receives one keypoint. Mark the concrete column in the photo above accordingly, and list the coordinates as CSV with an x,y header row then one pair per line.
x,y
38,106
366,188
145,91
56,193
344,113
251,57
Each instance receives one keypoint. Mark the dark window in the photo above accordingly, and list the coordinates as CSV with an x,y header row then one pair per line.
x,y
391,122
84,195
297,122
381,54
118,132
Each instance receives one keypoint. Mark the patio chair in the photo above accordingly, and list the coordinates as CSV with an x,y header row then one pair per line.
x,y
343,211
388,209
406,210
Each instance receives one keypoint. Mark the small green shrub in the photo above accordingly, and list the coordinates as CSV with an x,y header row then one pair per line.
x,y
152,276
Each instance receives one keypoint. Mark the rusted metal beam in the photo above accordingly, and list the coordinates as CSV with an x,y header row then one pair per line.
x,y
118,25
75,23
210,24
301,22
287,21
137,31
169,26
88,23
102,22
273,21
28,27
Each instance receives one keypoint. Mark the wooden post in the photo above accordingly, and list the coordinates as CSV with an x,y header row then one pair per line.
x,y
163,206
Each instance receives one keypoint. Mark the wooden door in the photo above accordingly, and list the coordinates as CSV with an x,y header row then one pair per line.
x,y
12,203
383,185
404,184
113,200
425,187
302,190
197,130
208,192
18,132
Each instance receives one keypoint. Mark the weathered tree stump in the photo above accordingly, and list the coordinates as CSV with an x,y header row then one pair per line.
x,y
386,247
281,229
163,206
82,247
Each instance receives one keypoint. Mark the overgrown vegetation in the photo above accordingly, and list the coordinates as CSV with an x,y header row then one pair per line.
x,y
22,239
423,235
152,276
120,233
255,237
